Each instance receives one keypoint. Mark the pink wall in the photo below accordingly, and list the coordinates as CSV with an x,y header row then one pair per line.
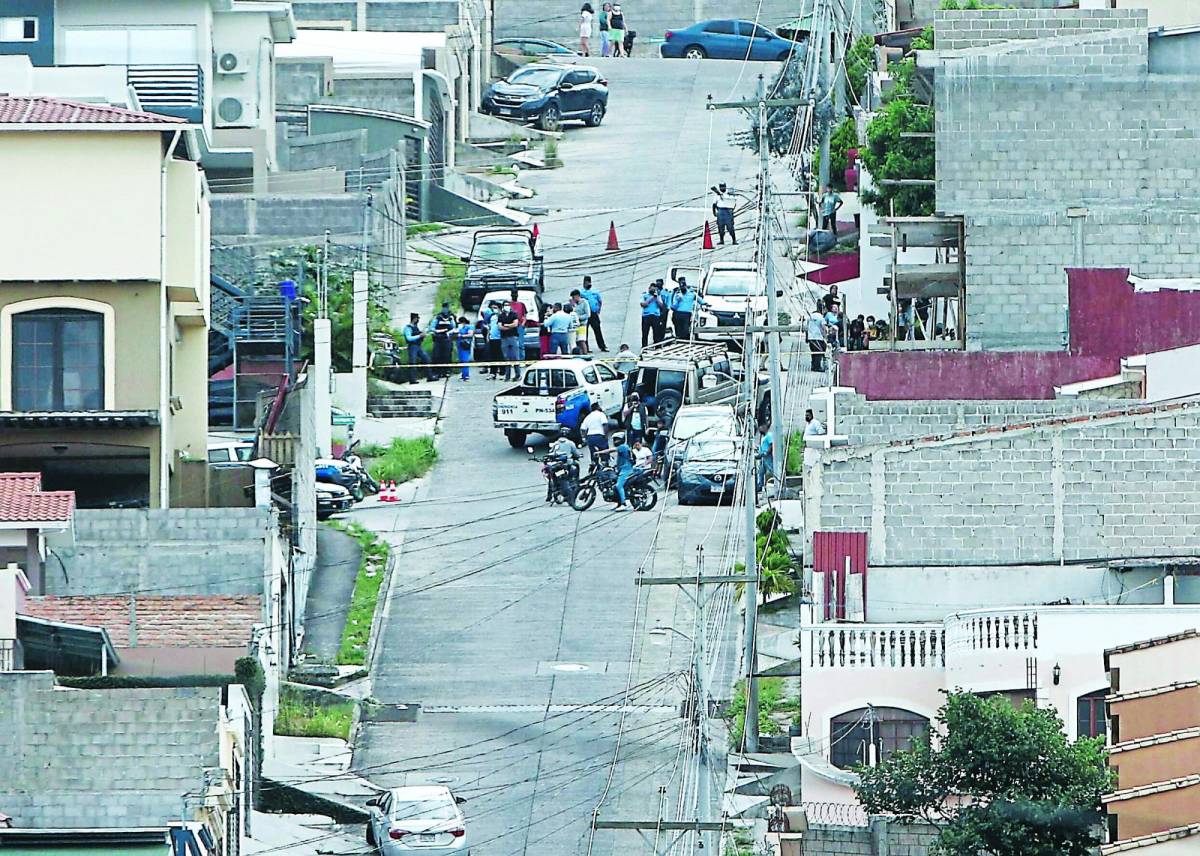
x,y
1110,319
991,375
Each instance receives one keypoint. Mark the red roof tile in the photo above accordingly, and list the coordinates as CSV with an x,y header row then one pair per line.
x,y
22,500
20,110
162,621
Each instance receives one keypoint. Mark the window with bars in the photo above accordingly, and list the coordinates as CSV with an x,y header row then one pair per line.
x,y
889,728
58,360
1090,716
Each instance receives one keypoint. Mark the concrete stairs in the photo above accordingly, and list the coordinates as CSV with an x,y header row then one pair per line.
x,y
401,404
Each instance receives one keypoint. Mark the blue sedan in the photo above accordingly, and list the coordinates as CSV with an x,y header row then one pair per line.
x,y
727,40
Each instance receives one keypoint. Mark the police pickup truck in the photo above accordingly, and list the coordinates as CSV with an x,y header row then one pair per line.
x,y
556,392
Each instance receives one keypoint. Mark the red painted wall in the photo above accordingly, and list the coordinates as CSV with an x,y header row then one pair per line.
x,y
1108,319
989,375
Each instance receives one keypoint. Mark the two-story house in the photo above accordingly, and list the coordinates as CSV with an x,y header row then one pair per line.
x,y
208,61
104,299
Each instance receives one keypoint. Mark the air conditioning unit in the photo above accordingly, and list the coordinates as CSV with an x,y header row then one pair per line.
x,y
234,113
232,63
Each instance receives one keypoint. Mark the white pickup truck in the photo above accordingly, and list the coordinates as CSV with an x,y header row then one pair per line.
x,y
547,389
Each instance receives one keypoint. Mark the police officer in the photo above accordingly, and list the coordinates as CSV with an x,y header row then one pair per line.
x,y
683,304
654,310
414,336
443,327
722,209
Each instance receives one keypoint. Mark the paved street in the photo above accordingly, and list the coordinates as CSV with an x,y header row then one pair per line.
x,y
517,627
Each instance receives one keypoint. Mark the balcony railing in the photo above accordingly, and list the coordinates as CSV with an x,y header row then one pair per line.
x,y
1015,630
874,646
172,90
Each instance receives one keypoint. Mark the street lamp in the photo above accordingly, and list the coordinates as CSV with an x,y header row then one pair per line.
x,y
663,630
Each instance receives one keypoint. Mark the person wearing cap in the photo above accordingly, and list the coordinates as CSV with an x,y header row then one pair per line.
x,y
442,329
683,304
722,209
653,310
414,337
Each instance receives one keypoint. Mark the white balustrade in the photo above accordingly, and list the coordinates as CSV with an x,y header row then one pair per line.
x,y
874,646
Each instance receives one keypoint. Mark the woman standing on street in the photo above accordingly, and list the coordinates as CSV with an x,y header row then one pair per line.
x,y
605,12
616,31
585,28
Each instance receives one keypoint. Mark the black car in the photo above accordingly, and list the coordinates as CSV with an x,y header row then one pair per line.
x,y
549,94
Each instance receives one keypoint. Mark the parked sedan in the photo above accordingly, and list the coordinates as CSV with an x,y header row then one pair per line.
x,y
548,95
710,470
332,499
703,421
417,819
727,39
534,48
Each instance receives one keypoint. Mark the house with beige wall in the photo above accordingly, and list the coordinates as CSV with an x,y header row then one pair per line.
x,y
104,301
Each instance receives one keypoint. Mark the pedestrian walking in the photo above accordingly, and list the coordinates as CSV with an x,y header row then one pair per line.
x,y
616,30
493,341
594,429
510,342
829,203
722,209
585,29
594,303
522,314
633,417
815,333
583,318
464,339
442,330
653,310
683,303
414,339
605,11
561,325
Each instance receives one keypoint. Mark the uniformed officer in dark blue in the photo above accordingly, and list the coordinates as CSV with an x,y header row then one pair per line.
x,y
683,304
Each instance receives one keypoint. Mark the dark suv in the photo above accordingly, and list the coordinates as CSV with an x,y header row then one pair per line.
x,y
548,95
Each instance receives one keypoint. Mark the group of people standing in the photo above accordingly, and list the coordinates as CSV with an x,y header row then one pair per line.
x,y
660,306
613,30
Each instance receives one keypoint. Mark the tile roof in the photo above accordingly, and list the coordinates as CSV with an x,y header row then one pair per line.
x,y
160,621
1113,698
1153,838
22,500
23,110
1152,643
1151,789
1155,740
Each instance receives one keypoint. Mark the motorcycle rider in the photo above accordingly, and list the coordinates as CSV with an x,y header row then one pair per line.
x,y
624,465
565,449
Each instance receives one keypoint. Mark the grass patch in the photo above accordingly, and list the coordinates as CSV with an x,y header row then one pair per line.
x,y
454,271
415,229
770,698
357,633
794,465
300,717
371,450
403,460
502,170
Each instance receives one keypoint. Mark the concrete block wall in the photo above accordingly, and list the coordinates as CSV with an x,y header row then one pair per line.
x,y
968,28
102,758
884,837
294,215
412,16
1109,488
866,422
838,841
163,551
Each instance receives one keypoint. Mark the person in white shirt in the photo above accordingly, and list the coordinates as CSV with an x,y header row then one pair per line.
x,y
722,209
816,338
643,458
594,429
812,430
585,28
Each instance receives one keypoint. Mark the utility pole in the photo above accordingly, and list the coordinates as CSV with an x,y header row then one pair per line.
x,y
750,592
768,267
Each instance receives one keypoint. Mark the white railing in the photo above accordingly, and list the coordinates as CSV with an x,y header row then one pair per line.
x,y
874,646
993,630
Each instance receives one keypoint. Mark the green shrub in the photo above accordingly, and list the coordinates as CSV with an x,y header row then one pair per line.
x,y
415,229
356,635
299,716
770,695
405,459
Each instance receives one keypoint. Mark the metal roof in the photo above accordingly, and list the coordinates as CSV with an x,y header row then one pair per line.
x,y
56,642
80,419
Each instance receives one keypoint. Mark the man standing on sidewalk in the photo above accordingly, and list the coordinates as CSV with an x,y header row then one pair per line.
x,y
722,209
443,328
653,309
414,337
683,303
594,303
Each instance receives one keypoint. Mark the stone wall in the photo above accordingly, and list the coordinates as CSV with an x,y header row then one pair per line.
x,y
294,215
1031,19
168,551
79,759
1077,489
882,838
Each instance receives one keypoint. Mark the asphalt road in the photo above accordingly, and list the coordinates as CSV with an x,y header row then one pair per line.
x,y
517,626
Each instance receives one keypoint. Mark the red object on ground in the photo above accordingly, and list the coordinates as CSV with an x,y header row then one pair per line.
x,y
832,551
612,236
708,243
536,233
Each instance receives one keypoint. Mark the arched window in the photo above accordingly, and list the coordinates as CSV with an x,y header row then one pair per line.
x,y
1090,716
890,728
58,360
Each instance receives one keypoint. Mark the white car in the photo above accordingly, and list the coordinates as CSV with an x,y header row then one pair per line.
x,y
708,421
731,295
229,450
415,820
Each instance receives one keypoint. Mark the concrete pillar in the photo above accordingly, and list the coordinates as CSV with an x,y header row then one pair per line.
x,y
13,588
322,378
35,568
358,361
262,486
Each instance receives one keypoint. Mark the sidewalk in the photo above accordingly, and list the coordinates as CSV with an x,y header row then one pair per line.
x,y
329,593
319,766
301,835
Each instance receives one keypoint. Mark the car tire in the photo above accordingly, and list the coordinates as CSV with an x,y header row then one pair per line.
x,y
694,52
516,438
550,119
370,835
595,116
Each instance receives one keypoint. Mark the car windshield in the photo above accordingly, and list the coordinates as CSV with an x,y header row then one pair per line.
x,y
501,251
424,810
732,283
713,450
689,425
539,77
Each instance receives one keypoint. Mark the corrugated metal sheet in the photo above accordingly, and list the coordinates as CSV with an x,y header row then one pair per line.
x,y
831,550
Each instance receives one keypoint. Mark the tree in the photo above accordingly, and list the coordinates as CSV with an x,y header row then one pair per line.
x,y
1002,781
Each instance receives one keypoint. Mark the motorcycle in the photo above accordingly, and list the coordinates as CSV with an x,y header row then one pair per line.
x,y
354,464
639,489
562,477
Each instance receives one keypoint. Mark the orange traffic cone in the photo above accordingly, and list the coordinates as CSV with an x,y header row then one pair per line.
x,y
388,493
708,243
612,236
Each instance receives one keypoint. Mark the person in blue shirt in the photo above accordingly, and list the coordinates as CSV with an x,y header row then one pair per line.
x,y
493,340
624,465
595,302
464,342
683,304
654,308
766,456
414,337
560,324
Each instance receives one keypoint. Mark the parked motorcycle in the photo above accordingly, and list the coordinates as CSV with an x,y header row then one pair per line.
x,y
639,489
562,478
336,471
355,464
